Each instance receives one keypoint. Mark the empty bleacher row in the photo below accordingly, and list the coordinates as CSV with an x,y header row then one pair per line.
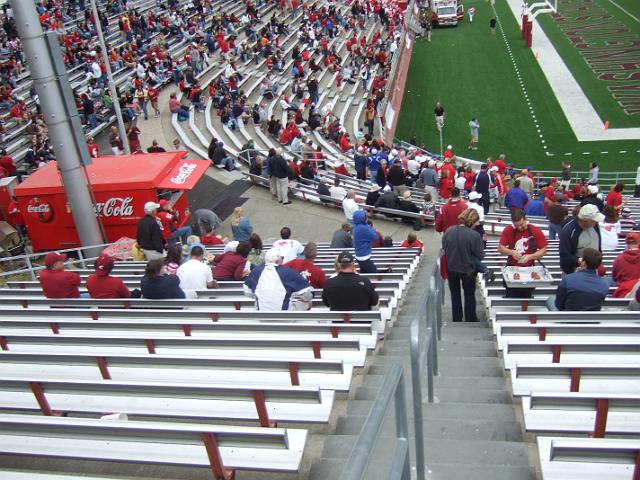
x,y
192,383
575,373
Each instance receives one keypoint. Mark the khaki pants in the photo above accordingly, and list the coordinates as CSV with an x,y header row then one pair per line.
x,y
433,191
272,185
282,187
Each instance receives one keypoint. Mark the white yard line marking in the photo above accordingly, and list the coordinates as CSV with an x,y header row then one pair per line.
x,y
584,121
625,11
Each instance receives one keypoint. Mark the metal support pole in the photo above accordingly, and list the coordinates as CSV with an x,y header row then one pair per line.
x,y
416,382
60,116
112,84
441,142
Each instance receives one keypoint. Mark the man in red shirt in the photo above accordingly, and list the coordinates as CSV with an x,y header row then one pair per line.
x,y
614,197
103,285
7,162
56,282
523,244
171,230
305,266
16,219
448,214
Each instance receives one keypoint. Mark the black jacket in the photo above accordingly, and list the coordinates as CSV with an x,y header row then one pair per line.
x,y
278,166
164,286
388,200
149,234
462,246
349,291
396,176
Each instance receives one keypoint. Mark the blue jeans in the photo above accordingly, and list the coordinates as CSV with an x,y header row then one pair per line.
x,y
143,107
228,163
554,230
91,120
469,286
179,234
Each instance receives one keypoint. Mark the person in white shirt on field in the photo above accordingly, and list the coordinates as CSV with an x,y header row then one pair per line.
x,y
194,275
350,206
288,247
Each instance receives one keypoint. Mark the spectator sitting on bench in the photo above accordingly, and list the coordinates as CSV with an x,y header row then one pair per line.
x,y
583,290
157,284
102,285
348,290
56,282
626,267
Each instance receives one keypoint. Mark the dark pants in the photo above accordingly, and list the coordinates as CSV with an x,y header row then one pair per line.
x,y
469,286
367,266
485,202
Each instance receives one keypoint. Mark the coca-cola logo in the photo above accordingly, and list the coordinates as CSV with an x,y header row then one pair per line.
x,y
115,207
184,172
40,209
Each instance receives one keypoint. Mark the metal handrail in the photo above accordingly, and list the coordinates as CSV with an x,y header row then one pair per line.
x,y
392,389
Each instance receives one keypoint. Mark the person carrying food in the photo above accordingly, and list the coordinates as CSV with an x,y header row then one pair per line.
x,y
523,244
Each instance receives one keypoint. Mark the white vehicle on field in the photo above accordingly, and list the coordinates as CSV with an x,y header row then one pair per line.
x,y
446,12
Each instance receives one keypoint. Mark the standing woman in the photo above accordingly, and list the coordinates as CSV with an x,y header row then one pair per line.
x,y
594,170
463,250
636,193
240,226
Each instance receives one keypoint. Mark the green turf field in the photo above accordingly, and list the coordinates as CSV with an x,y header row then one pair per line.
x,y
472,73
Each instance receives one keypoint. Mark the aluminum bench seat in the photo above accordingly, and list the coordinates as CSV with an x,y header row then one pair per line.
x,y
147,328
348,351
510,331
538,304
576,377
176,401
36,475
327,374
571,351
591,413
569,318
162,443
588,458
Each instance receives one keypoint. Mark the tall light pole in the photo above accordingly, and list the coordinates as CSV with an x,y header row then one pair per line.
x,y
112,84
61,117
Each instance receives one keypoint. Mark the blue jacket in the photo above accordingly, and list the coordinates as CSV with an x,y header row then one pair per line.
x,y
581,291
242,231
535,208
363,235
516,198
569,236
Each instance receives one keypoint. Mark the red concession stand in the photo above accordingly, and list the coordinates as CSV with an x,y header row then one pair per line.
x,y
122,184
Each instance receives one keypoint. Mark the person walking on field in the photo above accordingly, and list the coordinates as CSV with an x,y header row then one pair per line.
x,y
474,126
492,25
438,112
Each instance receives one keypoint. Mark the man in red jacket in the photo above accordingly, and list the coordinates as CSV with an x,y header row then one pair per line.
x,y
306,267
448,214
626,267
103,285
56,282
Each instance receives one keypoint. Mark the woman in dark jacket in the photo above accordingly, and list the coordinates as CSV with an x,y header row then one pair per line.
x,y
156,284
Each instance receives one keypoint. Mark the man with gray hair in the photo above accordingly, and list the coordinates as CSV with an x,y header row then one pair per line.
x,y
350,206
342,238
149,234
430,180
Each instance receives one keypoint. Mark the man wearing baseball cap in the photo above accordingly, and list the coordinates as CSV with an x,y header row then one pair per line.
x,y
348,290
149,232
55,281
102,285
626,266
581,232
171,229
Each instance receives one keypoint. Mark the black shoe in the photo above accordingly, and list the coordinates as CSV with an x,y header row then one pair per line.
x,y
287,203
490,276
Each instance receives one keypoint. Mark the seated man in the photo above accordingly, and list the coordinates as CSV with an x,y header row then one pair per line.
x,y
348,290
583,290
194,275
626,267
102,285
56,282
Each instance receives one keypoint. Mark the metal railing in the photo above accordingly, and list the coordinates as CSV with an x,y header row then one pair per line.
x,y
392,389
425,333
31,263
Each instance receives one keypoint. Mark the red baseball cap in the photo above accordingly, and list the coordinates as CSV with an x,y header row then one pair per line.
x,y
632,237
164,203
103,264
52,257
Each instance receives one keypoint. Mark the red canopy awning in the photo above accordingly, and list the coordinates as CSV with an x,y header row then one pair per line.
x,y
184,175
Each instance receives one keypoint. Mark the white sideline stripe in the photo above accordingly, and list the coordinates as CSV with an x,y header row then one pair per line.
x,y
584,120
625,11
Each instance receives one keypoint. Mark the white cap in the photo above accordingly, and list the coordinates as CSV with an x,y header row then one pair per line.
x,y
590,212
592,188
394,152
493,169
231,246
149,207
386,188
474,196
449,147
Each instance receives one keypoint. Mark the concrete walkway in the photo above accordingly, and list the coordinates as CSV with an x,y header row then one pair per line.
x,y
584,120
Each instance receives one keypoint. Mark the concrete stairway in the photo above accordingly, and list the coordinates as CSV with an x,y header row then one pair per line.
x,y
471,430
